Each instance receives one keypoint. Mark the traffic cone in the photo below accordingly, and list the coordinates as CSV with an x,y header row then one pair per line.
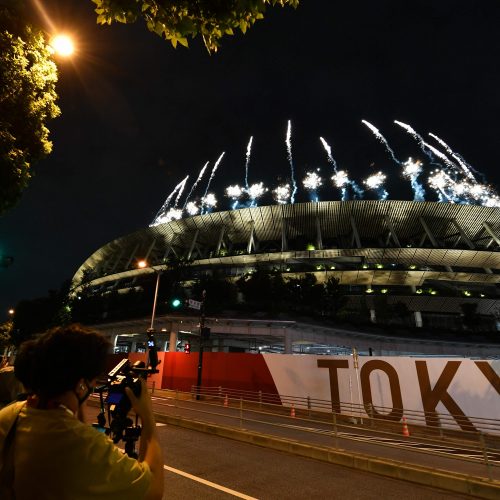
x,y
406,432
226,401
292,411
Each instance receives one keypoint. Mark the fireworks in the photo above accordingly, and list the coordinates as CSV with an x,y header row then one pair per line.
x,y
282,194
465,167
181,189
411,170
192,208
340,179
213,173
312,181
234,192
247,162
193,187
288,142
209,201
328,150
375,180
452,182
382,139
255,191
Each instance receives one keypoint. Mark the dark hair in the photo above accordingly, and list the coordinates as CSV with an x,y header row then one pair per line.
x,y
24,364
61,357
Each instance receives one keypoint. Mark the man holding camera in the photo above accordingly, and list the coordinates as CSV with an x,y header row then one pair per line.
x,y
47,451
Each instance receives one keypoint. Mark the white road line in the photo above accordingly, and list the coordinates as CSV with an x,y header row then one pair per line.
x,y
209,483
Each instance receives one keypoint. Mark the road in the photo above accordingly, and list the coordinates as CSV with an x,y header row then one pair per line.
x,y
202,466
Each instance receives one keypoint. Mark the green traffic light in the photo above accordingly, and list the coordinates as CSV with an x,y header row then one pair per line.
x,y
176,303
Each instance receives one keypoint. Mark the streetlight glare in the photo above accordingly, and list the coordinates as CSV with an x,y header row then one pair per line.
x,y
142,264
62,45
11,311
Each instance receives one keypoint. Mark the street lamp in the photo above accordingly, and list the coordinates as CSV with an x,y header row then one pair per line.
x,y
62,45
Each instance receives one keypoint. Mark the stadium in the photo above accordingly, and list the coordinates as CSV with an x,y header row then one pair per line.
x,y
438,263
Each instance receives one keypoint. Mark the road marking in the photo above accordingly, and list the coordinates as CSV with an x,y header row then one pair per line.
x,y
209,483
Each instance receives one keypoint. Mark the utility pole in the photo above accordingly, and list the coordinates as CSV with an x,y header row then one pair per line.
x,y
201,345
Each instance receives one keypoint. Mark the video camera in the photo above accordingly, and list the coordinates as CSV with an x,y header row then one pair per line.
x,y
115,403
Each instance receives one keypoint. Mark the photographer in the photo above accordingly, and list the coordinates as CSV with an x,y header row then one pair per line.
x,y
48,452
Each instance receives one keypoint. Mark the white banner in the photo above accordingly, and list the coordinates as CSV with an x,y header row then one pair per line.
x,y
465,391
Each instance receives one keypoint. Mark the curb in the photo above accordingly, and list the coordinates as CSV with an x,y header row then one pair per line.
x,y
436,478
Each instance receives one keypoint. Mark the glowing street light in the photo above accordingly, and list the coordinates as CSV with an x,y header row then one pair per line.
x,y
11,312
62,45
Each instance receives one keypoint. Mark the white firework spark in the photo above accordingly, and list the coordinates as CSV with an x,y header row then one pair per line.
x,y
172,214
163,210
234,192
341,178
192,208
312,181
247,162
416,136
328,150
442,183
193,187
375,181
181,189
213,172
255,191
288,142
209,200
382,139
465,167
282,194
412,168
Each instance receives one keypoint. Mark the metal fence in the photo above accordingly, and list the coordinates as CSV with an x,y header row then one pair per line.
x,y
415,431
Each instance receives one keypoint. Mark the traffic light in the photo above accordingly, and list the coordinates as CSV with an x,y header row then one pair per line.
x,y
187,348
176,303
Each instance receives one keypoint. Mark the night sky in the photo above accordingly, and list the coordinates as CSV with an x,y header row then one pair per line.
x,y
138,115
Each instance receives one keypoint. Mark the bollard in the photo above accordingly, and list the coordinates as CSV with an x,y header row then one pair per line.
x,y
241,413
482,442
335,430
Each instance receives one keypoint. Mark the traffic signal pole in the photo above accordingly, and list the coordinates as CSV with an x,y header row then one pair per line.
x,y
200,355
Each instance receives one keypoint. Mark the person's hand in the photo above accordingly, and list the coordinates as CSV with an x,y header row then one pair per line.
x,y
142,404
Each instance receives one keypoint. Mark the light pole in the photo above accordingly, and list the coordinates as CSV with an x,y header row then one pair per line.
x,y
142,264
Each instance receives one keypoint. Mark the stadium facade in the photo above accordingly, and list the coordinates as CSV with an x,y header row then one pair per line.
x,y
432,257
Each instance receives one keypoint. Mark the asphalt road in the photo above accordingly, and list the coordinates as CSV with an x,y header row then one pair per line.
x,y
202,466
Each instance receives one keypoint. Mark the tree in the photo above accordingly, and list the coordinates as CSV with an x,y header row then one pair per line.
x,y
179,20
220,293
5,335
27,102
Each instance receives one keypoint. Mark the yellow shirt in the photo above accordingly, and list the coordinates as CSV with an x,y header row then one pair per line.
x,y
58,457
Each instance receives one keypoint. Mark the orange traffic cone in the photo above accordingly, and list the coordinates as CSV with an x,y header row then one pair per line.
x,y
406,432
292,411
226,401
